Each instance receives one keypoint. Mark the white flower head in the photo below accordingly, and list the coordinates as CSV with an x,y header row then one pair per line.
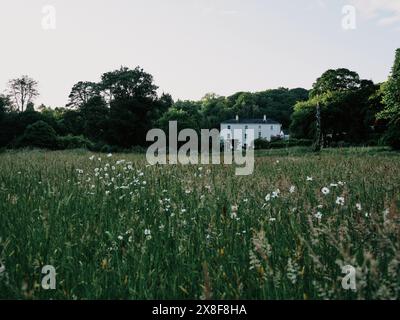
x,y
325,191
318,215
310,179
340,201
276,193
292,189
268,197
358,206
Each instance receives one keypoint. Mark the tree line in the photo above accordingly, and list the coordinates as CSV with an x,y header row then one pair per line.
x,y
117,112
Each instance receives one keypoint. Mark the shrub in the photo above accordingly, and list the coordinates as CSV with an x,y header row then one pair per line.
x,y
39,134
74,142
260,144
392,136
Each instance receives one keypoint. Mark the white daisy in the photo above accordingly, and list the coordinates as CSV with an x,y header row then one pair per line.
x,y
318,215
340,201
325,191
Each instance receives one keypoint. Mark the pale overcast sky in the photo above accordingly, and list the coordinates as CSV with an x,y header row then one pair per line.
x,y
192,47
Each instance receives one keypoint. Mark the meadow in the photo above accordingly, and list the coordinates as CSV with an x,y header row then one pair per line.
x,y
116,228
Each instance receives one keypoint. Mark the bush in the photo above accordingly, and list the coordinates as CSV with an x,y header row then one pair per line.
x,y
40,135
74,142
392,136
279,144
260,144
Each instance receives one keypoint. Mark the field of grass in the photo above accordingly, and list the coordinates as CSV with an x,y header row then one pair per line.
x,y
116,228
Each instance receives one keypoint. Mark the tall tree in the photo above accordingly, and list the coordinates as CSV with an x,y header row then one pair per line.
x,y
23,91
336,80
82,92
391,100
125,83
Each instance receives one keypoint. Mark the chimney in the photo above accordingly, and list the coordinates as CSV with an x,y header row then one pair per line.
x,y
265,118
237,118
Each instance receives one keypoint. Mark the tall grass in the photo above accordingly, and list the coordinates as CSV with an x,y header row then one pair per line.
x,y
124,230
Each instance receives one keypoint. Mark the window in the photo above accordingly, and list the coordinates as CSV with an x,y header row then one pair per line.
x,y
259,135
245,136
272,128
229,127
259,127
246,127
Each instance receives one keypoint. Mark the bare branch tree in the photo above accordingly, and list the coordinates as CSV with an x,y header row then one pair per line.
x,y
23,91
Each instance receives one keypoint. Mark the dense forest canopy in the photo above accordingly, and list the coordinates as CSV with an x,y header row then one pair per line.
x,y
118,111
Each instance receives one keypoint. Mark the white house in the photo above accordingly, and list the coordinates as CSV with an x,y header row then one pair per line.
x,y
241,133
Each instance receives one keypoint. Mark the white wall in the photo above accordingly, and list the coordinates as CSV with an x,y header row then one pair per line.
x,y
267,131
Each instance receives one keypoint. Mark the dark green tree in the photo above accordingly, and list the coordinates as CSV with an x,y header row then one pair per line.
x,y
391,99
40,135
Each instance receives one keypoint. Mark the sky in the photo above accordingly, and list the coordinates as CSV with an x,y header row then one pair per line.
x,y
194,47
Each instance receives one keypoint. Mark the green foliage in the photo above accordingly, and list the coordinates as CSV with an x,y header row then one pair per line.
x,y
392,136
391,91
346,114
40,135
263,144
336,80
74,142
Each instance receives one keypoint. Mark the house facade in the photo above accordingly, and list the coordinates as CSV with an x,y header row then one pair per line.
x,y
241,133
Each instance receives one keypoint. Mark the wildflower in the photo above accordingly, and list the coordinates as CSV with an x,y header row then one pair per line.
x,y
334,185
318,215
358,206
325,191
2,268
109,155
147,233
120,238
183,210
234,212
268,197
91,158
292,189
276,193
341,183
310,179
340,201
188,191
272,219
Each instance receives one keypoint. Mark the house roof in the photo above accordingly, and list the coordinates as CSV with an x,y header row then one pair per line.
x,y
250,121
